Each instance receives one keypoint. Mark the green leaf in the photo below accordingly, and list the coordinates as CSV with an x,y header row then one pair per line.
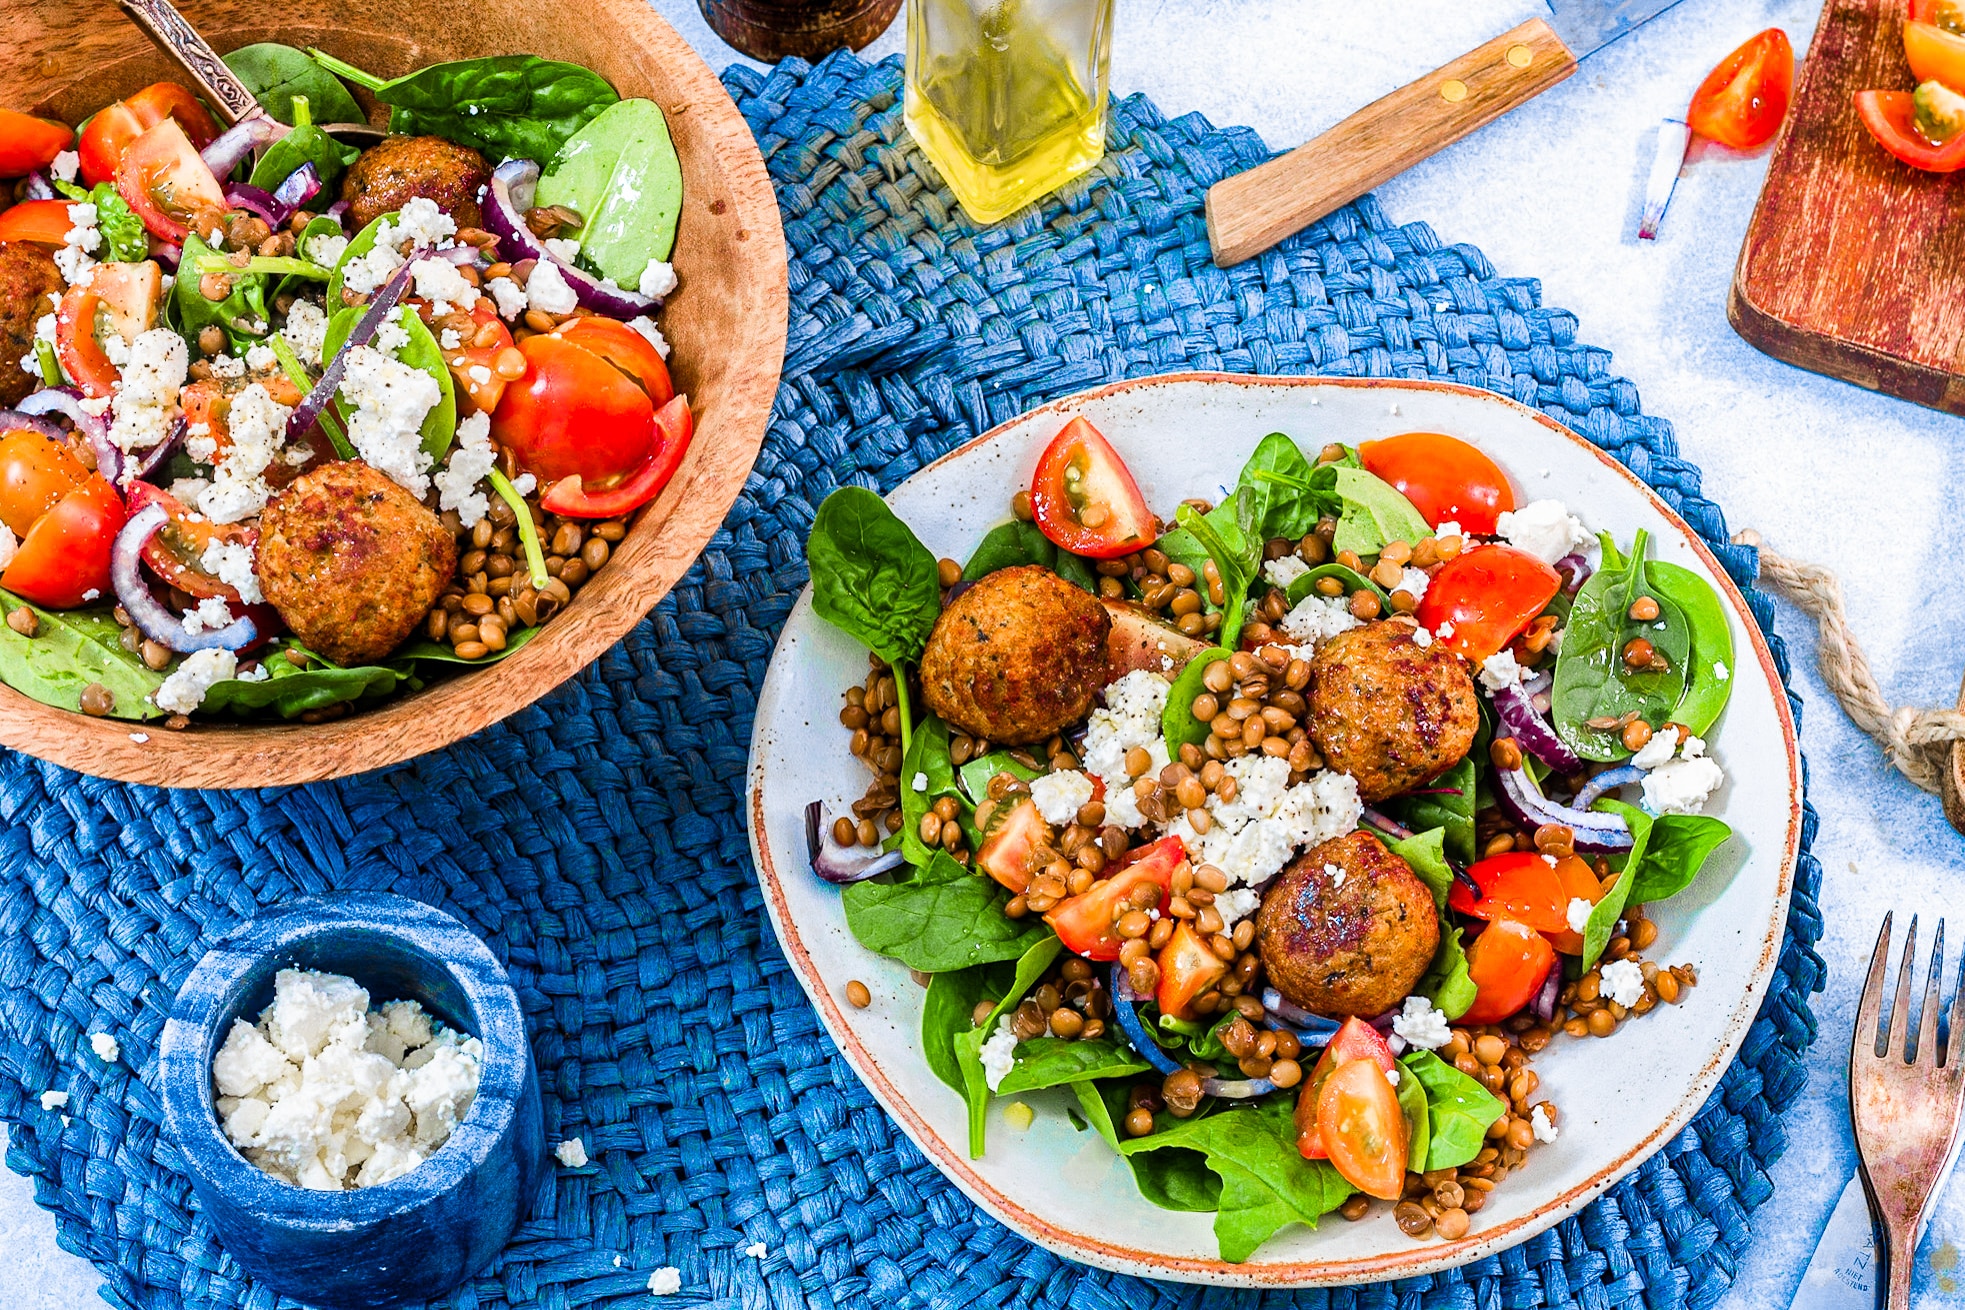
x,y
124,239
306,144
1283,492
289,691
1016,543
968,1046
422,353
1226,537
422,650
975,775
1265,1183
944,917
275,74
1446,982
1602,924
72,649
242,315
1053,1062
621,175
1591,678
319,226
1419,1136
1459,1110
1174,1178
948,1011
1425,852
1177,721
871,576
1452,809
358,246
1374,513
1666,854
1709,683
927,756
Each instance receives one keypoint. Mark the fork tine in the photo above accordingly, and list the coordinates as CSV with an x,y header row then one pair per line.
x,y
1900,1009
1955,1038
1869,1012
1927,1024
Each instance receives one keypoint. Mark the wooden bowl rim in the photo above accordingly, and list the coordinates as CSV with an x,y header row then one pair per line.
x,y
279,753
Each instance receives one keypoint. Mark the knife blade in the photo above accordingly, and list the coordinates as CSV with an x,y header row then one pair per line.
x,y
1251,211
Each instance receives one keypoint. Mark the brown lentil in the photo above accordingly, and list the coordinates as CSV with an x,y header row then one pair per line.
x,y
857,995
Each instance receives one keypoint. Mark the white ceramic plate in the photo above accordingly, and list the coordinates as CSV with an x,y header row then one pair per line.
x,y
1189,434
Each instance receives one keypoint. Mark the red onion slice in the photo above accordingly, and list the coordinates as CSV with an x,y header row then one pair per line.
x,y
1516,707
338,211
148,613
37,187
1575,571
508,199
1385,823
170,256
239,140
1544,1004
301,186
254,200
1125,1002
153,458
1596,834
67,402
14,420
831,864
379,309
1606,782
1311,1029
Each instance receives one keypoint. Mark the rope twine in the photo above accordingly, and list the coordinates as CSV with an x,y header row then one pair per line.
x,y
1916,742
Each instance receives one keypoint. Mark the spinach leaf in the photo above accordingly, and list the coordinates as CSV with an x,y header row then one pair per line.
x,y
1284,494
1419,1134
871,576
1265,1183
1710,681
290,691
1353,580
421,353
241,315
1016,542
1603,918
968,1046
306,144
1446,982
1174,1177
928,761
275,74
422,650
949,1011
1374,513
358,246
1451,808
975,775
1426,853
944,917
1177,721
620,174
1230,541
1458,1110
72,649
509,106
319,226
1666,854
1053,1062
1591,679
124,239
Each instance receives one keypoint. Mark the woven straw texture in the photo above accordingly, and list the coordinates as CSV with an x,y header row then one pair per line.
x,y
596,839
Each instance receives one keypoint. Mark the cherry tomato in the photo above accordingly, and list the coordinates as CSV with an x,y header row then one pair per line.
x,y
1489,595
480,391
1446,479
1935,55
1520,885
1364,1130
175,552
1005,851
626,349
29,144
63,561
674,426
1188,967
1890,117
1578,884
111,131
35,473
1743,102
1508,963
45,221
77,345
1084,923
1084,498
574,414
1354,1040
162,178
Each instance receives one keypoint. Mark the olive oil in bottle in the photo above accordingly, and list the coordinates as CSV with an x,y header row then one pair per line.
x,y
1007,97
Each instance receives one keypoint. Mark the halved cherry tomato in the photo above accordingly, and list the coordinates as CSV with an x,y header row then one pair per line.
x,y
624,348
1935,55
1520,885
574,413
29,144
169,187
1188,967
1508,963
176,551
1743,102
674,426
45,221
1891,118
1490,595
63,561
35,473
1365,1131
475,368
1354,1040
1446,479
1084,497
111,131
78,346
1084,923
1012,831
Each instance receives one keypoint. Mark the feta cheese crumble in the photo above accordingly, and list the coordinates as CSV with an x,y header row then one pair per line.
x,y
65,164
998,1053
1282,571
1500,670
106,1047
1316,619
208,615
1657,750
1413,583
666,1281
184,690
658,279
1544,528
1422,1026
421,222
439,282
1682,786
1059,796
509,296
547,290
388,401
572,1153
1578,914
1541,1125
1623,982
145,403
52,1101
326,248
256,432
232,564
653,335
459,485
261,359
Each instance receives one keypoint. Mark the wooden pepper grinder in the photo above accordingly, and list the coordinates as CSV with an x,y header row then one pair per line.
x,y
811,29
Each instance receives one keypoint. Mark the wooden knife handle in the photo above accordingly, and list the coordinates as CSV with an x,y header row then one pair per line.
x,y
1253,210
161,21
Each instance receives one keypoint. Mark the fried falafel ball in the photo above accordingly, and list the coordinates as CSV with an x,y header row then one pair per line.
x,y
1016,658
30,286
1348,929
1388,711
352,561
389,175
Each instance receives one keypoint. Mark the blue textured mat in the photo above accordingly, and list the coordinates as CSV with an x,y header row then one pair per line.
x,y
596,840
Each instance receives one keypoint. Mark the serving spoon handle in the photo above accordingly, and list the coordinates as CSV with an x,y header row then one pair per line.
x,y
161,21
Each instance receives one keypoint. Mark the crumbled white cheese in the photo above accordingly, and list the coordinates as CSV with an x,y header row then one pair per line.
x,y
1413,583
106,1047
184,690
1657,750
1129,718
226,366
1421,638
1681,786
257,673
439,282
1623,982
1059,796
562,249
998,1053
209,614
140,737
509,297
232,564
1392,1075
459,484
449,340
1316,619
256,431
115,349
261,359
1255,834
188,491
145,403
8,545
1694,747
920,782
658,279
1578,913
1283,570
479,375
547,290
1544,528
1500,670
65,164
525,484
1541,1125
421,222
1421,1025
391,336
756,1250
1450,528
366,272
1720,671
1237,904
666,1281
326,248
387,402
572,1153
52,1101
76,257
646,327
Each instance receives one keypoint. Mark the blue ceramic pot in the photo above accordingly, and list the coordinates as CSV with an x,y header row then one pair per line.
x,y
414,1237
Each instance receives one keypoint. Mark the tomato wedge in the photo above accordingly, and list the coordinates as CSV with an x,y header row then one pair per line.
x,y
77,345
1188,967
624,348
35,473
1935,55
1520,885
1489,595
1084,497
1084,923
674,427
574,414
1890,117
63,561
1508,963
162,178
1743,102
176,551
475,368
1364,1130
1005,851
29,144
1354,1040
45,221
1446,479
112,130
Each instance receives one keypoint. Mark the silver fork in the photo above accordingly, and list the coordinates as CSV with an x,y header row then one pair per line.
x,y
1905,1098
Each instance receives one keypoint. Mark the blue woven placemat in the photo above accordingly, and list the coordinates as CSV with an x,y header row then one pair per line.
x,y
596,840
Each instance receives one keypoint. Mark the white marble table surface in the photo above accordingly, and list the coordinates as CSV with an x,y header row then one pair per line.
x,y
1825,471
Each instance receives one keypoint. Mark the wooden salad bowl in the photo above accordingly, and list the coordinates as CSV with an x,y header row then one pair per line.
x,y
727,325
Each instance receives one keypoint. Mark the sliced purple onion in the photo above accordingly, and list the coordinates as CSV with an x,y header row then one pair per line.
x,y
1575,571
1596,834
1544,1004
153,458
67,402
1606,782
338,211
148,613
239,140
14,420
956,591
378,312
1387,824
1310,1029
1538,682
509,197
462,256
1125,1008
255,200
1516,707
832,864
170,256
37,187
301,186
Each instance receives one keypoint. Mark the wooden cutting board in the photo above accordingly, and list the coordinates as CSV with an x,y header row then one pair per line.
x,y
1854,264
